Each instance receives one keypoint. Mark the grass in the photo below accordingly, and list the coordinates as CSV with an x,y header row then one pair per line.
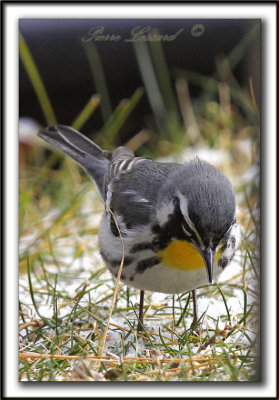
x,y
65,290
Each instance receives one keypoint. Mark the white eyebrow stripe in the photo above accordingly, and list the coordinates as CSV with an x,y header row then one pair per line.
x,y
192,226
184,210
189,222
185,231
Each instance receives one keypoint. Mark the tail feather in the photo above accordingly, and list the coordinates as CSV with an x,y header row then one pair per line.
x,y
90,156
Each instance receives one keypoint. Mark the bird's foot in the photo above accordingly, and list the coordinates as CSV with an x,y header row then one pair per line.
x,y
195,327
140,327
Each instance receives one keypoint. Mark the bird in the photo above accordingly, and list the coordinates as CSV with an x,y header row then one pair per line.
x,y
177,222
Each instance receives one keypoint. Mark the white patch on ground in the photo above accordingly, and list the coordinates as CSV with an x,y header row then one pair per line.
x,y
74,273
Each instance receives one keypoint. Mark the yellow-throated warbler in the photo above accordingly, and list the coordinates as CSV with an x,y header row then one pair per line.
x,y
177,221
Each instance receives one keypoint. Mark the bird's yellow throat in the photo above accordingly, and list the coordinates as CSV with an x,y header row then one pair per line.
x,y
180,254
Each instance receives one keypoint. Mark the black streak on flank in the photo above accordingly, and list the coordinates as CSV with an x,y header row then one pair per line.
x,y
147,263
116,262
141,246
114,229
115,274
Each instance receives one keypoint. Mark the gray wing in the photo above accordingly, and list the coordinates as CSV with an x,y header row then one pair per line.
x,y
132,185
123,160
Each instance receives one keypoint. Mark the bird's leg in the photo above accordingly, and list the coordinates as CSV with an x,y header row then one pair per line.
x,y
140,323
195,308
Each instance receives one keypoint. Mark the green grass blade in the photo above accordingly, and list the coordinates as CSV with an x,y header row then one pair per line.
x,y
86,113
36,80
31,289
150,83
225,303
164,81
99,78
112,127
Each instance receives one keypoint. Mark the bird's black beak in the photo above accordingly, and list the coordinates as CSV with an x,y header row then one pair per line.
x,y
208,257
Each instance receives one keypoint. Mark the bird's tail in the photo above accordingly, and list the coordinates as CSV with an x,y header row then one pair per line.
x,y
90,156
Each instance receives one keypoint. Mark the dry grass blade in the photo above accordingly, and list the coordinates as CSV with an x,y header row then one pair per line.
x,y
101,351
109,359
252,92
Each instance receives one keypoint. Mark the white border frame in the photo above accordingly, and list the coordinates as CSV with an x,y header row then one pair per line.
x,y
12,12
